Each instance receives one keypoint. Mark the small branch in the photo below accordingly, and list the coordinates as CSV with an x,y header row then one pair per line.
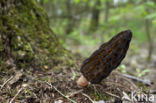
x,y
88,97
153,91
116,84
128,80
137,79
113,95
61,93
16,95
74,93
6,82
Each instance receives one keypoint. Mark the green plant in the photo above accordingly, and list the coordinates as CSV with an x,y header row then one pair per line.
x,y
140,73
122,68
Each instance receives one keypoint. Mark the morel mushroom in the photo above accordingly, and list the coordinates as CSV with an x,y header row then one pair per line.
x,y
108,57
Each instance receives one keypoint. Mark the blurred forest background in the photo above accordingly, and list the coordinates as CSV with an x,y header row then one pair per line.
x,y
83,25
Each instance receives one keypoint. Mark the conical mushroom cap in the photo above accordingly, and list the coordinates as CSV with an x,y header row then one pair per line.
x,y
110,54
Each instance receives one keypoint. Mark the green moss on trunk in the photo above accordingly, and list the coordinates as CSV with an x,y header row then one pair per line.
x,y
25,35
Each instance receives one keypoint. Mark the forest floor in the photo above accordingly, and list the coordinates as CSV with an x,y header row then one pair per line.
x,y
58,85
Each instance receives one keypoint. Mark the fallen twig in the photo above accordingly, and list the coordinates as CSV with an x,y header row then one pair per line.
x,y
116,84
137,79
74,93
88,97
16,95
113,95
127,79
153,91
6,82
61,93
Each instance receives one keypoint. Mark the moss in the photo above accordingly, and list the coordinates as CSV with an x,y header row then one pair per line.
x,y
12,92
2,65
101,96
143,86
29,92
1,45
96,96
105,97
32,42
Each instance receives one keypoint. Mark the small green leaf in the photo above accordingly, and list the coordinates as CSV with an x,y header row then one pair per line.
x,y
145,71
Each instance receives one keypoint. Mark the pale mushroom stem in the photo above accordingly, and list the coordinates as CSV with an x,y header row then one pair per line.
x,y
82,81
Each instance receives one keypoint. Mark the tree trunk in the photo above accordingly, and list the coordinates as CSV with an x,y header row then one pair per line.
x,y
69,27
106,19
26,40
147,28
95,16
107,3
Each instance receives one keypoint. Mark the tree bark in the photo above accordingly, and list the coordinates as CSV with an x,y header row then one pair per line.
x,y
26,39
95,16
147,28
107,10
69,27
